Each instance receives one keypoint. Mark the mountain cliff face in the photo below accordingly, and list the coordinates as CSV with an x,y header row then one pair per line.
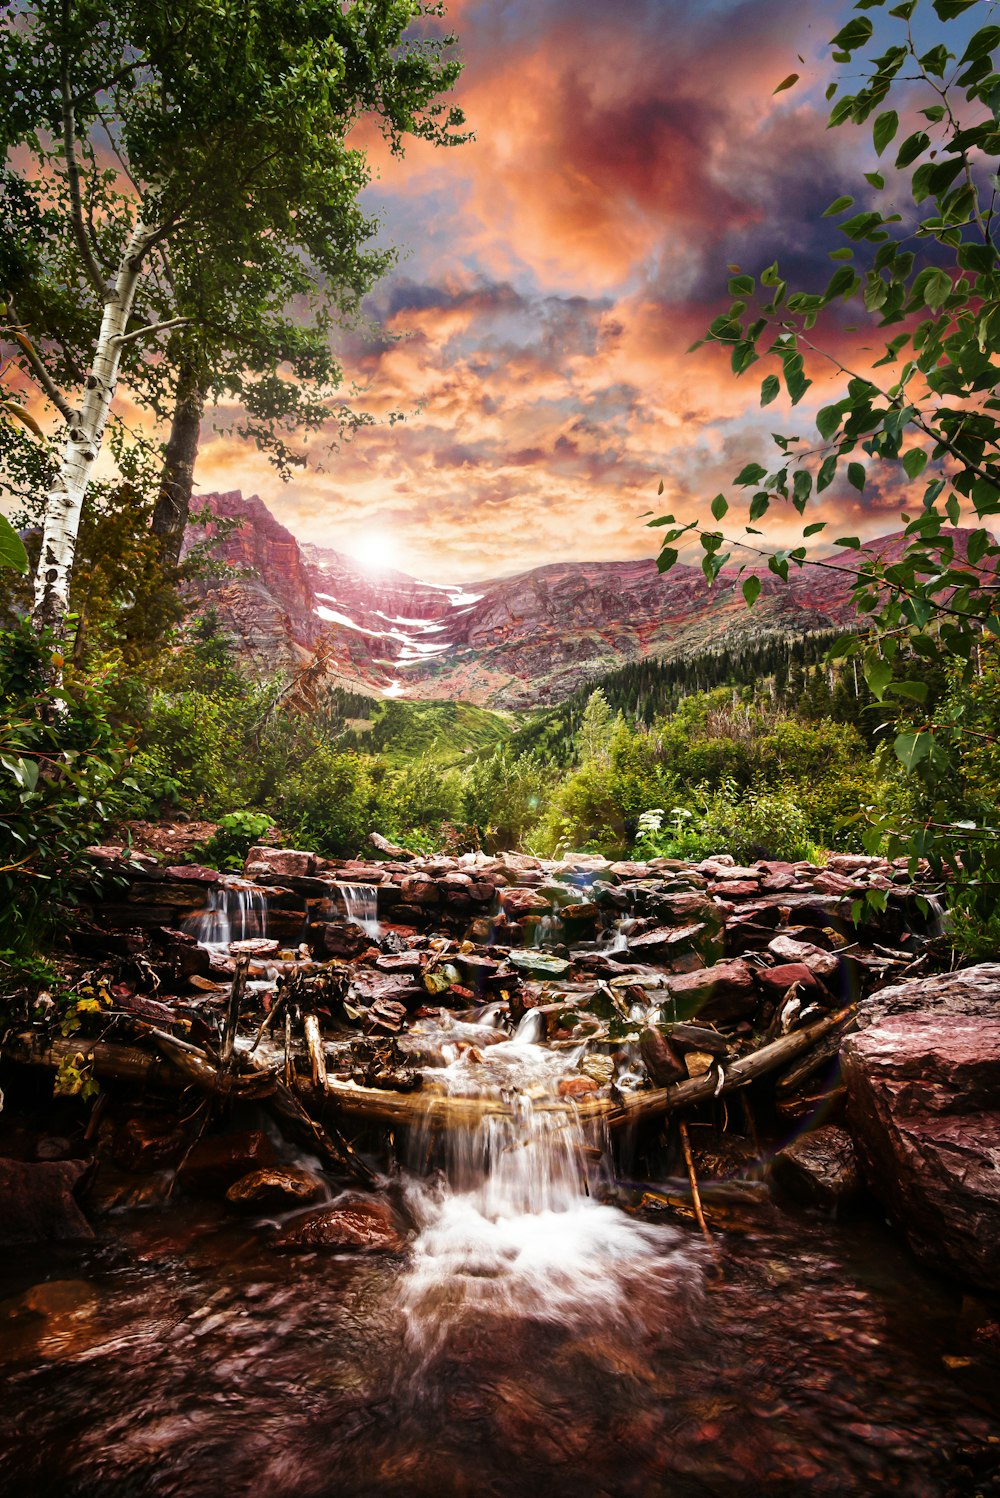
x,y
514,642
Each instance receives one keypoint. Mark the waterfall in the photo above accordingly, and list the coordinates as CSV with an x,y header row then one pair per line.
x,y
233,912
361,906
511,1225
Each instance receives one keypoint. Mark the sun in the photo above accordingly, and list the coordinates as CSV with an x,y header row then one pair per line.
x,y
375,551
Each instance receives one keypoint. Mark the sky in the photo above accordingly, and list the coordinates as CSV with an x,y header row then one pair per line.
x,y
553,273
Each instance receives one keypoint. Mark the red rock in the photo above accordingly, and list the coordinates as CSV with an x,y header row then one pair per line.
x,y
663,941
723,992
662,1060
579,914
279,863
275,1190
778,980
517,903
577,1086
787,949
361,1224
686,907
38,1202
820,1169
418,890
923,1080
735,889
345,939
219,1160
400,962
149,1142
193,873
829,883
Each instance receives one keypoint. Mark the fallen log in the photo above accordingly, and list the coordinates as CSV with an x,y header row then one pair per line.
x,y
111,1061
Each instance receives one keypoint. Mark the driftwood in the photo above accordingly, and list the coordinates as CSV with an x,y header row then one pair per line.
x,y
350,1101
314,1044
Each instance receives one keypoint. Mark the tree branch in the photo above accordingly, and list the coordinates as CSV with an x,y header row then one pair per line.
x,y
154,327
90,265
41,374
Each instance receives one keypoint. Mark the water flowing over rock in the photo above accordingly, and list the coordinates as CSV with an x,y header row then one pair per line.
x,y
923,1078
38,1202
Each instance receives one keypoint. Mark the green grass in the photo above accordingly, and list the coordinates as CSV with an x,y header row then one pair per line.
x,y
445,732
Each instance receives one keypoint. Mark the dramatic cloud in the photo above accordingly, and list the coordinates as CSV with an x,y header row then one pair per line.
x,y
556,270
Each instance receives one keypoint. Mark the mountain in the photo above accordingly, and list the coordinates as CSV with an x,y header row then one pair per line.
x,y
511,643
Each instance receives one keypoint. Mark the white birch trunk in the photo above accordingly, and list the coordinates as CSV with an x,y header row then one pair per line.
x,y
64,501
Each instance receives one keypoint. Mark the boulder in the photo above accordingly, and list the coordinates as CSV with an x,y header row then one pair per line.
x,y
663,941
356,1223
776,981
38,1202
820,1169
662,1060
274,1190
923,1080
219,1160
279,863
516,903
720,993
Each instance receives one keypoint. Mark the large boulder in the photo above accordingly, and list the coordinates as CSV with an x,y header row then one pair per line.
x,y
353,1223
719,994
38,1202
820,1168
923,1079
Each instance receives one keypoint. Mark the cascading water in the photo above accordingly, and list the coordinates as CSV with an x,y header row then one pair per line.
x,y
361,906
512,1225
233,912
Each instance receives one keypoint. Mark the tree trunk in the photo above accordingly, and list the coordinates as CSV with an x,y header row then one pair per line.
x,y
64,501
173,502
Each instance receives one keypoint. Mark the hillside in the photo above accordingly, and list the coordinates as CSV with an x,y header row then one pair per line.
x,y
514,643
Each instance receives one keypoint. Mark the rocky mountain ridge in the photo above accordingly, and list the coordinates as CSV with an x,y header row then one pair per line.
x,y
514,642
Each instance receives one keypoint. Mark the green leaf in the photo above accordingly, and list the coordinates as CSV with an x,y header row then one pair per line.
x,y
884,129
751,474
12,553
838,205
751,591
912,748
914,462
827,420
856,476
759,505
720,505
788,82
827,473
876,179
878,675
947,10
769,389
932,287
854,34
913,146
666,559
851,542
915,690
817,525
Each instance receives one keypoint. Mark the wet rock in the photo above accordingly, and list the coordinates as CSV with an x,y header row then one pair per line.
x,y
540,964
219,1160
385,1017
577,1086
193,873
275,1190
720,993
662,1060
279,863
600,1068
254,946
663,941
923,1080
419,890
400,962
345,939
583,914
357,1223
38,1204
698,1063
149,1141
517,903
820,1169
684,908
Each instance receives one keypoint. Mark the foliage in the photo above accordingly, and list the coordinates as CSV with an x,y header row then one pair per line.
x,y
929,422
503,796
63,777
233,838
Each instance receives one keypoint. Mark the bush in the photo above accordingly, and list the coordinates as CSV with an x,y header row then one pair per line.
x,y
232,840
503,796
63,767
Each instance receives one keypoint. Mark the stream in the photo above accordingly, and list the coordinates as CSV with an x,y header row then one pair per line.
x,y
537,1335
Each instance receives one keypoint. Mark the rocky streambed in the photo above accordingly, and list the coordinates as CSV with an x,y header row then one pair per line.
x,y
573,1176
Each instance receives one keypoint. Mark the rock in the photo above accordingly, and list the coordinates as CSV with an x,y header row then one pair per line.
x,y
194,873
38,1202
697,1063
400,962
540,964
684,908
820,1169
625,871
923,1080
786,949
579,915
391,850
357,1223
720,993
776,981
600,1068
279,863
149,1142
385,1017
345,939
219,1160
516,903
577,1086
275,1190
663,941
663,1062
419,890
254,946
